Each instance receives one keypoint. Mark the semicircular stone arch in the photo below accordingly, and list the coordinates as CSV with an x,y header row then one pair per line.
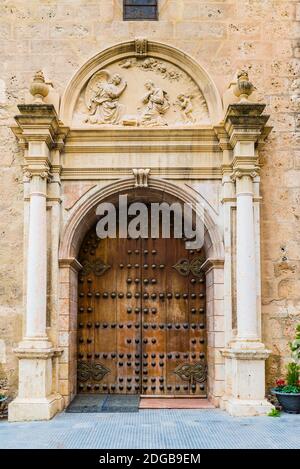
x,y
191,97
82,216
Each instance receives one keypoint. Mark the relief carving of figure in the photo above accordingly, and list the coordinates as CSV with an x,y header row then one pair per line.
x,y
186,108
156,105
102,98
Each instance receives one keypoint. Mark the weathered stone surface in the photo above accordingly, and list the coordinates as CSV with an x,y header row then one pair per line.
x,y
261,36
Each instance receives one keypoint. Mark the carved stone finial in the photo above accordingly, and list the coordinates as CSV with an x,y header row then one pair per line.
x,y
141,177
141,46
244,88
38,87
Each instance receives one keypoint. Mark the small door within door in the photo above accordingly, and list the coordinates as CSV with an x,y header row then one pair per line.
x,y
141,317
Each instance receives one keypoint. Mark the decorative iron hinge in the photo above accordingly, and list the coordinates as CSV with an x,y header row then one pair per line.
x,y
185,267
192,372
97,267
91,371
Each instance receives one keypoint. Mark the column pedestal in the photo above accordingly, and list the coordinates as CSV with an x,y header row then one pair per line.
x,y
246,369
36,398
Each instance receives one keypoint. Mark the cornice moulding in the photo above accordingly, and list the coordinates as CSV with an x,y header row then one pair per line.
x,y
116,173
141,140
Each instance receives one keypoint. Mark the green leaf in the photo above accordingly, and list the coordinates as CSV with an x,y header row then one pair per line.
x,y
274,413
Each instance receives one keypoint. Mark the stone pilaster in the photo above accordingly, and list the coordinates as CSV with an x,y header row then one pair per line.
x,y
245,354
38,398
214,272
228,205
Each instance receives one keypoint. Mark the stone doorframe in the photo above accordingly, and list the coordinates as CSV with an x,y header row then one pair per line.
x,y
82,218
227,150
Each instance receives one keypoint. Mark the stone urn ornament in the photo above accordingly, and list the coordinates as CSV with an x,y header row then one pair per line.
x,y
244,88
39,88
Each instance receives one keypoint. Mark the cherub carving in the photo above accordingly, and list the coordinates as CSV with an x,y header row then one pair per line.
x,y
102,98
156,105
186,108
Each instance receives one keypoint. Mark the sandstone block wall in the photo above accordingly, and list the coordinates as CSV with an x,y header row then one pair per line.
x,y
260,35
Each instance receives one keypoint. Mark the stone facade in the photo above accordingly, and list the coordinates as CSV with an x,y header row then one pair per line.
x,y
261,37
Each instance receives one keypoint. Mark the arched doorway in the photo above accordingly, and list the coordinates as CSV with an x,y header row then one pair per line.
x,y
81,219
141,317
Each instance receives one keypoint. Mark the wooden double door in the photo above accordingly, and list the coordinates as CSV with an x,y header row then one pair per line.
x,y
141,317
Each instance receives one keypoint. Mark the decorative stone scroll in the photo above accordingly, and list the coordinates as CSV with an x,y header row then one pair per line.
x,y
141,46
141,177
141,91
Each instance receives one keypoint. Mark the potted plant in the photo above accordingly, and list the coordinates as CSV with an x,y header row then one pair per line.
x,y
3,399
288,391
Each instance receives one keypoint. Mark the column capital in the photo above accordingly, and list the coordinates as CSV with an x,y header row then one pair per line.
x,y
43,173
41,135
212,263
39,123
244,122
70,263
239,173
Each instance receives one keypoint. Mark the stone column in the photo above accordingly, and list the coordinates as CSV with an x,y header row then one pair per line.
x,y
38,398
247,325
245,354
36,297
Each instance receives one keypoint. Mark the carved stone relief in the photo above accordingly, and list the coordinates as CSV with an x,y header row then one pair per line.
x,y
141,91
102,98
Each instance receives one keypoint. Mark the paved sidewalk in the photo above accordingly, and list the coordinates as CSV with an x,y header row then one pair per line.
x,y
187,429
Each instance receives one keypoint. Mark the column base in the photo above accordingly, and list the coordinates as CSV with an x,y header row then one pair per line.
x,y
35,343
245,381
25,409
247,408
37,398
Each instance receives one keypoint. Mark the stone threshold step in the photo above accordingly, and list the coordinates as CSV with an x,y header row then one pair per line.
x,y
175,403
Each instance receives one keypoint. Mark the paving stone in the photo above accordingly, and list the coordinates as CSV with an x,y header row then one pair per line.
x,y
160,429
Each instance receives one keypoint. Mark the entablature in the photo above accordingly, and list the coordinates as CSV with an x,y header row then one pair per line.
x,y
202,139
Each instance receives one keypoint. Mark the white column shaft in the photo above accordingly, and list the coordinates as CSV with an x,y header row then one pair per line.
x,y
246,263
37,265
